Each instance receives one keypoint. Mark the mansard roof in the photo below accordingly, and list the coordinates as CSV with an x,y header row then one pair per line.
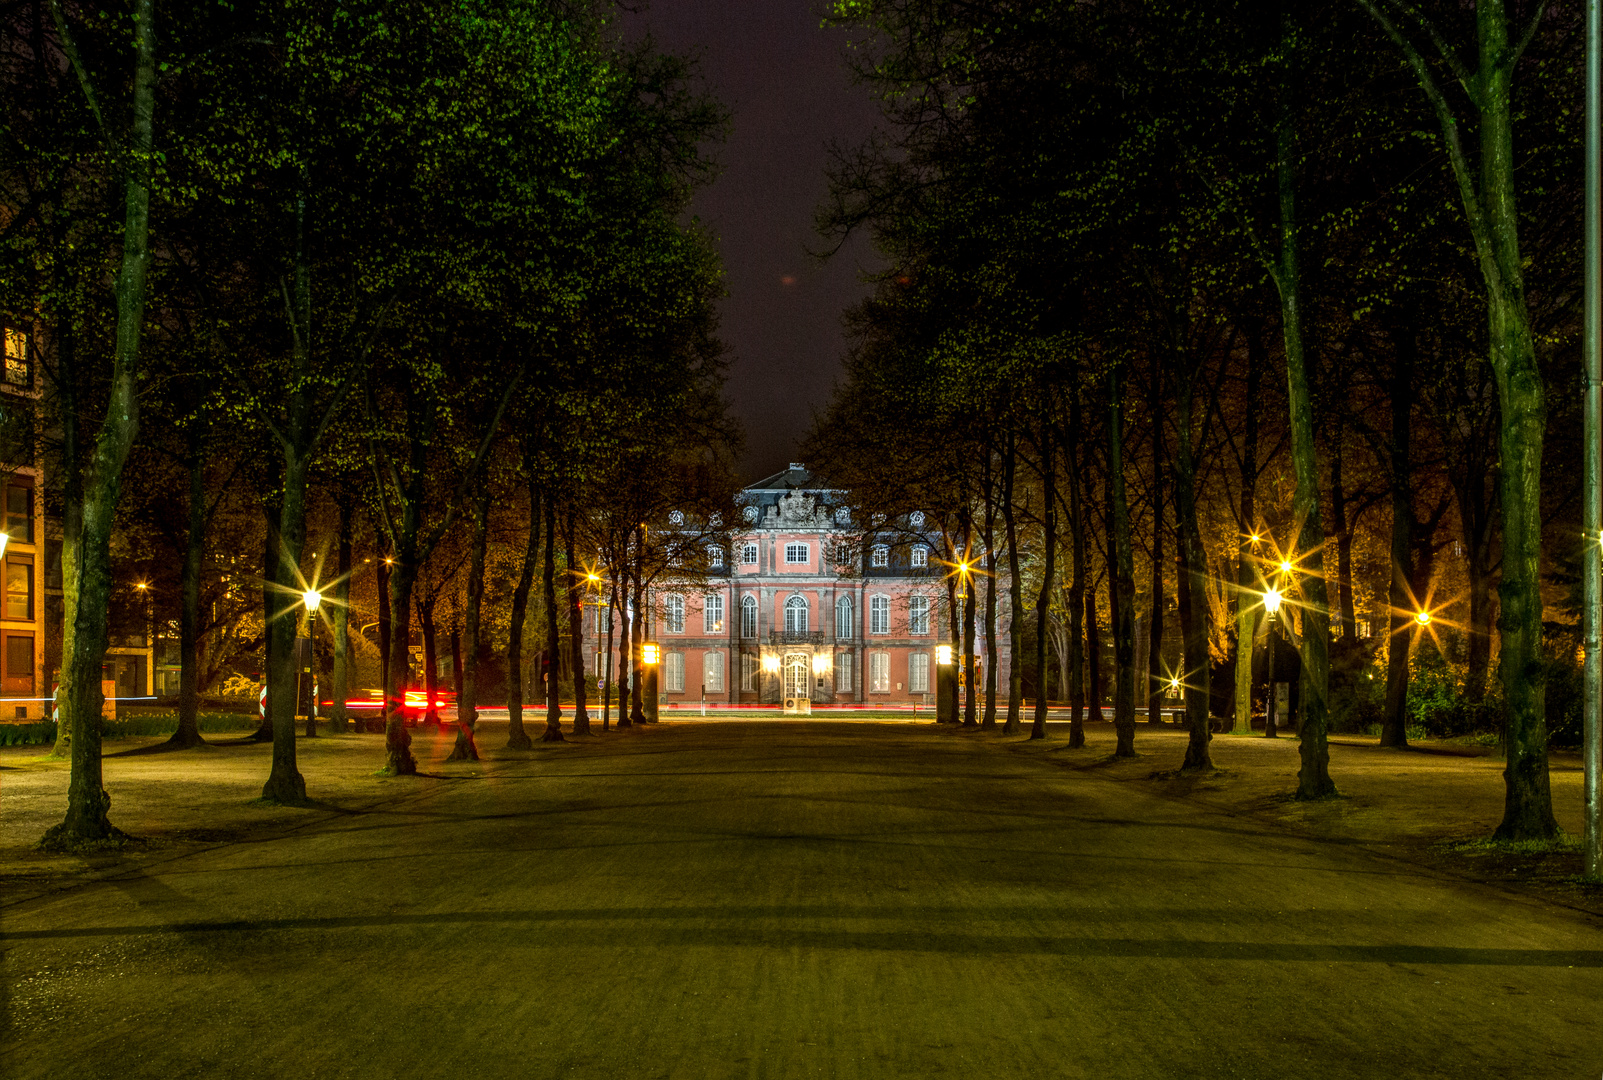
x,y
795,478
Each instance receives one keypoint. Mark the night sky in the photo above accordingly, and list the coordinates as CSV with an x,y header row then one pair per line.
x,y
786,81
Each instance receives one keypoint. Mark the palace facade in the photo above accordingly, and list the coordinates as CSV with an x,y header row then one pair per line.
x,y
803,605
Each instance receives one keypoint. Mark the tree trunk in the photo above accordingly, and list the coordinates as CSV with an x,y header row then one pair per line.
x,y
188,733
548,567
86,821
517,737
575,594
1049,540
381,578
626,650
1313,778
1122,583
431,659
609,677
338,719
637,714
1197,674
1401,628
403,575
1346,615
1082,599
1015,621
989,718
1157,683
467,701
270,601
1249,582
971,699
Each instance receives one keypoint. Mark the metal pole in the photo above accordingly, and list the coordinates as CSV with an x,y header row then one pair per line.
x,y
1593,562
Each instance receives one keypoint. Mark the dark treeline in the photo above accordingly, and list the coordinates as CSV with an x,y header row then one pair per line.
x,y
1192,306
392,301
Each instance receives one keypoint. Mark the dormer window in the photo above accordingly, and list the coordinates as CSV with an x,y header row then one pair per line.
x,y
880,556
920,556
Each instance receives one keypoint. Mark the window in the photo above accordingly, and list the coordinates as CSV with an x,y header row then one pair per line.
x,y
674,614
712,673
748,671
796,615
843,618
748,554
748,617
1363,628
920,557
19,513
879,615
881,556
19,587
715,557
675,672
797,554
918,615
918,673
19,369
843,672
712,613
879,672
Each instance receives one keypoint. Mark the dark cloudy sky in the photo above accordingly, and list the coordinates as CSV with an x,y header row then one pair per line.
x,y
788,86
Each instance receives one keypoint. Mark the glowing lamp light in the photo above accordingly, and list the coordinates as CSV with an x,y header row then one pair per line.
x,y
1423,618
1256,539
5,538
771,664
312,599
650,652
1174,683
1285,566
943,654
820,663
141,586
1271,600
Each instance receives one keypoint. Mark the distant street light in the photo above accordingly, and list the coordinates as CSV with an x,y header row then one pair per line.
x,y
1423,618
1271,601
650,652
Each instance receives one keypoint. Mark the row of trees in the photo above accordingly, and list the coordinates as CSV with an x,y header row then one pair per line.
x,y
417,271
1227,298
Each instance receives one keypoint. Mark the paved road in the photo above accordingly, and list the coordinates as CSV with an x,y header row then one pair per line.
x,y
789,900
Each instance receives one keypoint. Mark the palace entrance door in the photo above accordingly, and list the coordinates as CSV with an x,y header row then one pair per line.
x,y
798,668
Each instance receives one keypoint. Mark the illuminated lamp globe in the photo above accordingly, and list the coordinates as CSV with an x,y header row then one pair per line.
x,y
943,654
312,599
1423,618
650,652
1271,600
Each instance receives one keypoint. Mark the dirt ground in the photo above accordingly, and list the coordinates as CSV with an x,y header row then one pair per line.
x,y
772,899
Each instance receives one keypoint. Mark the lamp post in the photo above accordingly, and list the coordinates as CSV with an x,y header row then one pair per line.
x,y
945,686
306,686
651,657
1271,603
1592,481
150,633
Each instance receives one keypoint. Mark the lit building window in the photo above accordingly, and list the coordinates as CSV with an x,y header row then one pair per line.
x,y
920,557
748,671
918,673
712,613
19,587
880,556
843,618
797,554
918,615
748,554
675,673
879,615
674,614
843,672
712,672
879,672
19,372
19,513
748,617
796,615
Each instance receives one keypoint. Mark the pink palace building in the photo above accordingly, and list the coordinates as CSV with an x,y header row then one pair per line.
x,y
806,610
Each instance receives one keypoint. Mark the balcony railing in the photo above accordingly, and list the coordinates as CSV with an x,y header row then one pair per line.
x,y
795,637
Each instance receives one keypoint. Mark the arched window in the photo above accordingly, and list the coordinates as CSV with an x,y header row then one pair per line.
x,y
796,615
843,618
712,613
879,615
748,617
673,614
918,615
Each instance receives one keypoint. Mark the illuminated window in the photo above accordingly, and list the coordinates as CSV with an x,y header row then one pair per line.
x,y
19,587
674,614
843,672
748,617
748,671
796,615
19,370
918,615
675,673
879,615
712,672
918,673
797,554
880,556
715,557
748,554
879,672
843,618
712,613
19,513
920,557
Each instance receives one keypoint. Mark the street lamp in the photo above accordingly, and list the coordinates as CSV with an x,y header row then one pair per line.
x,y
650,655
1423,618
305,683
945,686
1271,602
